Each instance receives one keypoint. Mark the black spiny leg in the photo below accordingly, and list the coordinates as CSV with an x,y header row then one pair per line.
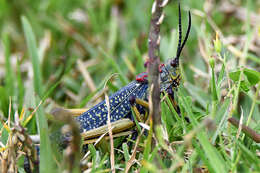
x,y
136,101
174,103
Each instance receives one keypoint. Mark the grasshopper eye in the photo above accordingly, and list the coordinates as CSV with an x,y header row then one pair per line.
x,y
175,62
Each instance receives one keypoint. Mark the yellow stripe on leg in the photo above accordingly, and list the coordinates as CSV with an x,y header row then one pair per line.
x,y
137,114
76,112
142,102
117,126
89,141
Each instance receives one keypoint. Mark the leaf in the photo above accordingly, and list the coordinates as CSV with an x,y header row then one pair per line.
x,y
244,86
252,76
235,75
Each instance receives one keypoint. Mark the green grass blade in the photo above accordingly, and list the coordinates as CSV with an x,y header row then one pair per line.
x,y
94,156
33,52
9,76
215,159
126,152
21,89
46,161
220,120
251,157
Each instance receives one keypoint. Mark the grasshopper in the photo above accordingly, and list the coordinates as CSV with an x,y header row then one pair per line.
x,y
133,96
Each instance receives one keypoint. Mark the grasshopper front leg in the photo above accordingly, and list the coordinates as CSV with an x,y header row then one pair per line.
x,y
76,112
173,101
136,101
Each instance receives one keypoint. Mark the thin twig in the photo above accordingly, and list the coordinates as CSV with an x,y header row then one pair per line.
x,y
132,158
154,60
247,130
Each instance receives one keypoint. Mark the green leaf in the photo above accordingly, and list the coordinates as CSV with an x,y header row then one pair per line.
x,y
235,75
252,76
245,86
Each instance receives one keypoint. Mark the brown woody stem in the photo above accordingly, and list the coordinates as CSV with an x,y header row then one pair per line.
x,y
247,130
154,60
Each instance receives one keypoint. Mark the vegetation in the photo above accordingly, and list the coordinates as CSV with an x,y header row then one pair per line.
x,y
61,54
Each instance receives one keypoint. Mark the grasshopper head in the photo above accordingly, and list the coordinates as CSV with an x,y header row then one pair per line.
x,y
170,73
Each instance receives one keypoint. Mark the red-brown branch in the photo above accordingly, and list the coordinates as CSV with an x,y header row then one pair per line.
x,y
154,60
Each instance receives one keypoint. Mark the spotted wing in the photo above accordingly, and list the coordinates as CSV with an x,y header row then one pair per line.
x,y
119,107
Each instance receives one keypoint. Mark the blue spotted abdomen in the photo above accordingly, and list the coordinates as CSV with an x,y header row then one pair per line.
x,y
119,106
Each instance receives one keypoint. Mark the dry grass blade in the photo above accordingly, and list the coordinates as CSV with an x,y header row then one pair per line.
x,y
112,156
89,81
132,158
31,115
96,142
18,144
240,124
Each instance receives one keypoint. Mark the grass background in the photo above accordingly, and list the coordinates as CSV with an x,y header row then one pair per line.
x,y
62,52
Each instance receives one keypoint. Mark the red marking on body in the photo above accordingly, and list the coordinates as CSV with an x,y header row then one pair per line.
x,y
160,67
142,77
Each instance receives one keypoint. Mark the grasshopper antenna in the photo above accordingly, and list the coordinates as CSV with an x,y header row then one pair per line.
x,y
180,31
175,62
186,36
